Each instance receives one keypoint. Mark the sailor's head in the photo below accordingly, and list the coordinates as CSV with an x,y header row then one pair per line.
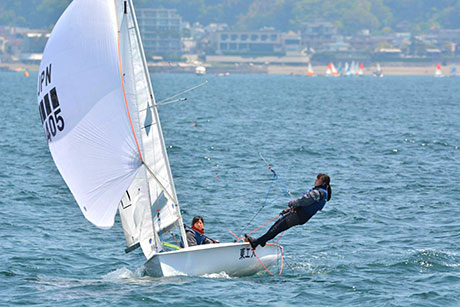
x,y
323,181
198,222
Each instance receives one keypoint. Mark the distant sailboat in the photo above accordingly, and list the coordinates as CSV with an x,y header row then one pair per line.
x,y
331,70
438,72
340,69
26,73
378,72
353,68
453,71
360,70
347,69
101,121
310,71
200,70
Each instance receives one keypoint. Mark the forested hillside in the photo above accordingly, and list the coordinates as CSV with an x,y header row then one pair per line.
x,y
348,15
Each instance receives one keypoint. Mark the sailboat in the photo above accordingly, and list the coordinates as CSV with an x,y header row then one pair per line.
x,y
360,71
331,70
100,118
310,71
378,71
353,68
438,72
453,71
340,69
200,70
347,69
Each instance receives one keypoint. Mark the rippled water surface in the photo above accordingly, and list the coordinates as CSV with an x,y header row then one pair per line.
x,y
389,236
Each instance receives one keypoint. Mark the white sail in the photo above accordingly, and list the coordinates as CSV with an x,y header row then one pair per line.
x,y
81,101
98,113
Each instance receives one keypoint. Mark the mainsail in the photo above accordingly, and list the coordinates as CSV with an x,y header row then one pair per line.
x,y
99,114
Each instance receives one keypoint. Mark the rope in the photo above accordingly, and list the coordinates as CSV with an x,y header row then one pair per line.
x,y
163,101
286,190
263,265
272,244
260,209
282,255
234,235
283,186
282,258
264,224
279,238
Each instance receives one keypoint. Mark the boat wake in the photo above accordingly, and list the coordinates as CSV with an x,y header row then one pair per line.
x,y
124,275
221,275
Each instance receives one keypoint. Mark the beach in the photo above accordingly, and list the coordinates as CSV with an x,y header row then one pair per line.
x,y
390,69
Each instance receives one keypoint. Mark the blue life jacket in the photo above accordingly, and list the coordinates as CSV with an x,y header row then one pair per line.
x,y
317,206
198,236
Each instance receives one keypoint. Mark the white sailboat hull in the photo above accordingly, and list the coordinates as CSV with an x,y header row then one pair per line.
x,y
234,259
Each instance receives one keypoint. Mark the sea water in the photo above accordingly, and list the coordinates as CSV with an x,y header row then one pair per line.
x,y
389,236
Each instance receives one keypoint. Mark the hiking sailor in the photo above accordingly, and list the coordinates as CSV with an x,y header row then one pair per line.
x,y
299,210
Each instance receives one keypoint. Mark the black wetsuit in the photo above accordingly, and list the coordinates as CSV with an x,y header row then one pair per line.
x,y
303,209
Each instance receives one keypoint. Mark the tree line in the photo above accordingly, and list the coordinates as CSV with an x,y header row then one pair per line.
x,y
348,15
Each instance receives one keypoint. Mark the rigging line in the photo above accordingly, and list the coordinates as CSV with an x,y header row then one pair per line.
x,y
282,255
275,217
183,92
260,209
231,232
270,168
168,100
159,183
263,265
172,101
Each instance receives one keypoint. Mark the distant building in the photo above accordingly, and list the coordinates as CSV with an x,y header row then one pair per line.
x,y
17,43
318,34
161,31
34,42
291,43
339,46
449,35
387,54
265,41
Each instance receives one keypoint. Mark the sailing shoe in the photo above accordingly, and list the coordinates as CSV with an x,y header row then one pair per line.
x,y
251,241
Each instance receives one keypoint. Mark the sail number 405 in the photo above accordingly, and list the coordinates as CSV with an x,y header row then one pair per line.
x,y
50,111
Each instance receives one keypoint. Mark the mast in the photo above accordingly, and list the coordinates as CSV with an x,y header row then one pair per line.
x,y
151,103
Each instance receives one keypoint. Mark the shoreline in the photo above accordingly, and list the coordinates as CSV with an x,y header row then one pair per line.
x,y
393,69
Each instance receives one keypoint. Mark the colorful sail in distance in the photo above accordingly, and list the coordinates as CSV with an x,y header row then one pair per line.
x,y
310,71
